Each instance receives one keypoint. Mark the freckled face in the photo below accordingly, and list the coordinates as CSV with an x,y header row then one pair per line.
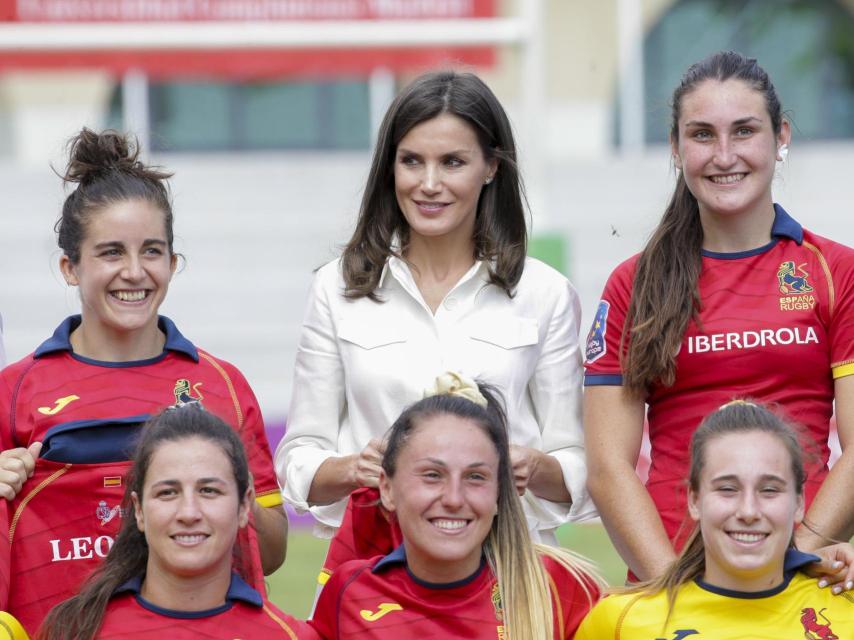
x,y
727,148
445,493
747,506
439,172
190,510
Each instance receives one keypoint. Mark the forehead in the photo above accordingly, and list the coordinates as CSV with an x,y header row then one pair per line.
x,y
747,455
188,459
450,438
126,218
443,131
730,99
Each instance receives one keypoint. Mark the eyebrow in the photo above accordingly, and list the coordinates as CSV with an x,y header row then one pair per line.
x,y
735,123
441,463
455,152
176,483
118,244
764,478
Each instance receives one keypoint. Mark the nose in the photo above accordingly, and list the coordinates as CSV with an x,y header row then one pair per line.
x,y
431,179
725,155
452,497
133,270
748,507
188,508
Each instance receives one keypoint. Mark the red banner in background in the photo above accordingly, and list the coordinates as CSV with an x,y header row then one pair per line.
x,y
239,10
243,64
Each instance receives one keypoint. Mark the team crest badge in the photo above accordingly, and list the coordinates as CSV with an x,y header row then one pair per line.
x,y
184,392
105,513
596,345
793,280
496,603
815,630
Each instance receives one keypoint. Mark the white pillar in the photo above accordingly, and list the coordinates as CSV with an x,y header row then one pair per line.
x,y
135,108
380,95
630,74
533,102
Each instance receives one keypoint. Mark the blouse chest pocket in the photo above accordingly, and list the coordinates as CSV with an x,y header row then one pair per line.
x,y
367,335
507,333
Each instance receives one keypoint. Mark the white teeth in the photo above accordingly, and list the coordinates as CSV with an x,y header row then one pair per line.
x,y
189,539
735,177
449,524
747,537
130,296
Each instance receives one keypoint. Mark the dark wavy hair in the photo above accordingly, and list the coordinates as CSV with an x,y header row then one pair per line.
x,y
80,617
107,169
665,295
500,234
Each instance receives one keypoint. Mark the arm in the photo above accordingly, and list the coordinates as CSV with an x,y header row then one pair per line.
x,y
832,511
340,476
613,426
271,526
558,472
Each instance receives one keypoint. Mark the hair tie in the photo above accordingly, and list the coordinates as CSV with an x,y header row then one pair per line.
x,y
451,383
737,402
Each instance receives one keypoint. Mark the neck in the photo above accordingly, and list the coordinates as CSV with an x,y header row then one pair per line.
x,y
440,260
93,340
738,232
186,593
746,582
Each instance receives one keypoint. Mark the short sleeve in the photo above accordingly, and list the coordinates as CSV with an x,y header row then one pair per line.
x,y
602,348
842,315
570,601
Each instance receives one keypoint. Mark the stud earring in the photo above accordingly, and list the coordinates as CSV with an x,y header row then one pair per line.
x,y
488,180
782,152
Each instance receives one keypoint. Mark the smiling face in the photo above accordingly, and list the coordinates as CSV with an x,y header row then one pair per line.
x,y
124,269
445,494
190,509
439,171
747,506
727,148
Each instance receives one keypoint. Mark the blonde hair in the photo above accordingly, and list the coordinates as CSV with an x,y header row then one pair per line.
x,y
523,582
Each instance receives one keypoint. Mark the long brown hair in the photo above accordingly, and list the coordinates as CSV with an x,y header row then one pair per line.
x,y
500,233
665,293
80,617
526,598
739,416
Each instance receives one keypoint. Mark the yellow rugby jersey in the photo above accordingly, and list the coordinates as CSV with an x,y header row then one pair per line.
x,y
795,610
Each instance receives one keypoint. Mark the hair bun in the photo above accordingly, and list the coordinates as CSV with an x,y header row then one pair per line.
x,y
91,155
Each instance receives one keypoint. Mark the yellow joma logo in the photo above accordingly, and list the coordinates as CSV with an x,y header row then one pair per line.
x,y
384,608
58,406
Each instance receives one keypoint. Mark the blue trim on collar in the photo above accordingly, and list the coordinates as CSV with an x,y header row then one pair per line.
x,y
398,556
784,226
793,561
61,341
237,590
593,379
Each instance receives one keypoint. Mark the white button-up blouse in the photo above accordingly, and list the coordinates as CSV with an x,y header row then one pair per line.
x,y
360,363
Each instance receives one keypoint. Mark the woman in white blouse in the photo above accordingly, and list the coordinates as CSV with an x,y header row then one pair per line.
x,y
435,279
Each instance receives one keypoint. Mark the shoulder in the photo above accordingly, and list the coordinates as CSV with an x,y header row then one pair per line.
x,y
543,283
14,370
223,367
330,274
291,627
832,252
611,615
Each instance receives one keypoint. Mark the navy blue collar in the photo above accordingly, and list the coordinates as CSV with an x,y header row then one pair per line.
x,y
61,341
793,561
785,226
398,556
237,590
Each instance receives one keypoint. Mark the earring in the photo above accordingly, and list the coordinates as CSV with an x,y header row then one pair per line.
x,y
488,180
782,152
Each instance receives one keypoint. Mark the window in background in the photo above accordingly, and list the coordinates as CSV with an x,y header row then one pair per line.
x,y
806,46
226,116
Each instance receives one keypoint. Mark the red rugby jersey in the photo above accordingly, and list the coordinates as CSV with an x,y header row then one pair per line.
x,y
88,413
246,615
777,326
379,598
366,531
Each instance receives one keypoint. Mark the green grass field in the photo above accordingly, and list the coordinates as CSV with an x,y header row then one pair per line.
x,y
293,586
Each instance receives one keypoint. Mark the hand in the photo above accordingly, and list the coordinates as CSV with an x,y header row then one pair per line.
x,y
836,567
369,463
16,467
524,462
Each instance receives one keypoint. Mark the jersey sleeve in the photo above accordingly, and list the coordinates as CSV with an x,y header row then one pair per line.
x,y
254,439
602,356
842,315
555,391
570,601
318,400
325,618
